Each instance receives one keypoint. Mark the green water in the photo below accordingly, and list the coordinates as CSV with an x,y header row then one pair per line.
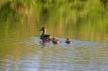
x,y
83,21
75,19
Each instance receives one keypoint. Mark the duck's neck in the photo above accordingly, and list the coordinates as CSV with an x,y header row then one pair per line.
x,y
43,32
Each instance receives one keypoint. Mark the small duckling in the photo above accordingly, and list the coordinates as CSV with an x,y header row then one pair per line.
x,y
68,41
55,40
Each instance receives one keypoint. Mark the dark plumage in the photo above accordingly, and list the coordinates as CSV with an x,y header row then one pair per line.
x,y
44,36
68,41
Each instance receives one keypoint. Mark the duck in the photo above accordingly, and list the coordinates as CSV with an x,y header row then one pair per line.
x,y
68,41
55,40
44,37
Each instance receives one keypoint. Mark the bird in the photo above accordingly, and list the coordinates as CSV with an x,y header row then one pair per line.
x,y
55,40
68,41
44,37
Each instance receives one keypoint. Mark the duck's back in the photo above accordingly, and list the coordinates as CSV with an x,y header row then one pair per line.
x,y
45,37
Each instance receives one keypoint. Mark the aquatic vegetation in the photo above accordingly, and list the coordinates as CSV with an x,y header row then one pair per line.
x,y
84,19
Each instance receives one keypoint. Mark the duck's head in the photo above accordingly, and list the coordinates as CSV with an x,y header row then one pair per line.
x,y
42,29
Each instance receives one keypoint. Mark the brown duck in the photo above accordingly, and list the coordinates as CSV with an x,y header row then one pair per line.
x,y
55,40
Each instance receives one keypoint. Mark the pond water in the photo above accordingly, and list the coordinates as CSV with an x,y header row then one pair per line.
x,y
83,21
21,50
30,55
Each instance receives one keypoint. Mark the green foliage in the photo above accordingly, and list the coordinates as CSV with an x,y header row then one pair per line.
x,y
104,2
79,14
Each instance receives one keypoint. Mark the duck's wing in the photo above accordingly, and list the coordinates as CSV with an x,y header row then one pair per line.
x,y
46,35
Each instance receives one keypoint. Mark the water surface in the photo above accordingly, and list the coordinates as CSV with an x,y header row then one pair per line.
x,y
30,55
85,22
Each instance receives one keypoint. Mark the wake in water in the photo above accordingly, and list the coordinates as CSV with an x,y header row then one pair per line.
x,y
74,43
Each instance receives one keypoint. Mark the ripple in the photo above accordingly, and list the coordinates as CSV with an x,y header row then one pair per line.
x,y
77,56
75,43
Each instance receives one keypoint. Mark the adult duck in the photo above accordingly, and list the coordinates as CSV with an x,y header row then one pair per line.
x,y
44,37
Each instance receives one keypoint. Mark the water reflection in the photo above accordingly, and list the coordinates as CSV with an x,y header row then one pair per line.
x,y
20,53
23,57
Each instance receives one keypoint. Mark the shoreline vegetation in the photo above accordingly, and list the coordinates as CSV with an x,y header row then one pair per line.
x,y
76,19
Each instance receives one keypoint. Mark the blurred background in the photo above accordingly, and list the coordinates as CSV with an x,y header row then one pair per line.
x,y
75,19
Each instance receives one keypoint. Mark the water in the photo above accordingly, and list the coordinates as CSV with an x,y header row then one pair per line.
x,y
84,22
29,55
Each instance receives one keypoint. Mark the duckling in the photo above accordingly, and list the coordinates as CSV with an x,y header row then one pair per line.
x,y
44,37
68,41
55,40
